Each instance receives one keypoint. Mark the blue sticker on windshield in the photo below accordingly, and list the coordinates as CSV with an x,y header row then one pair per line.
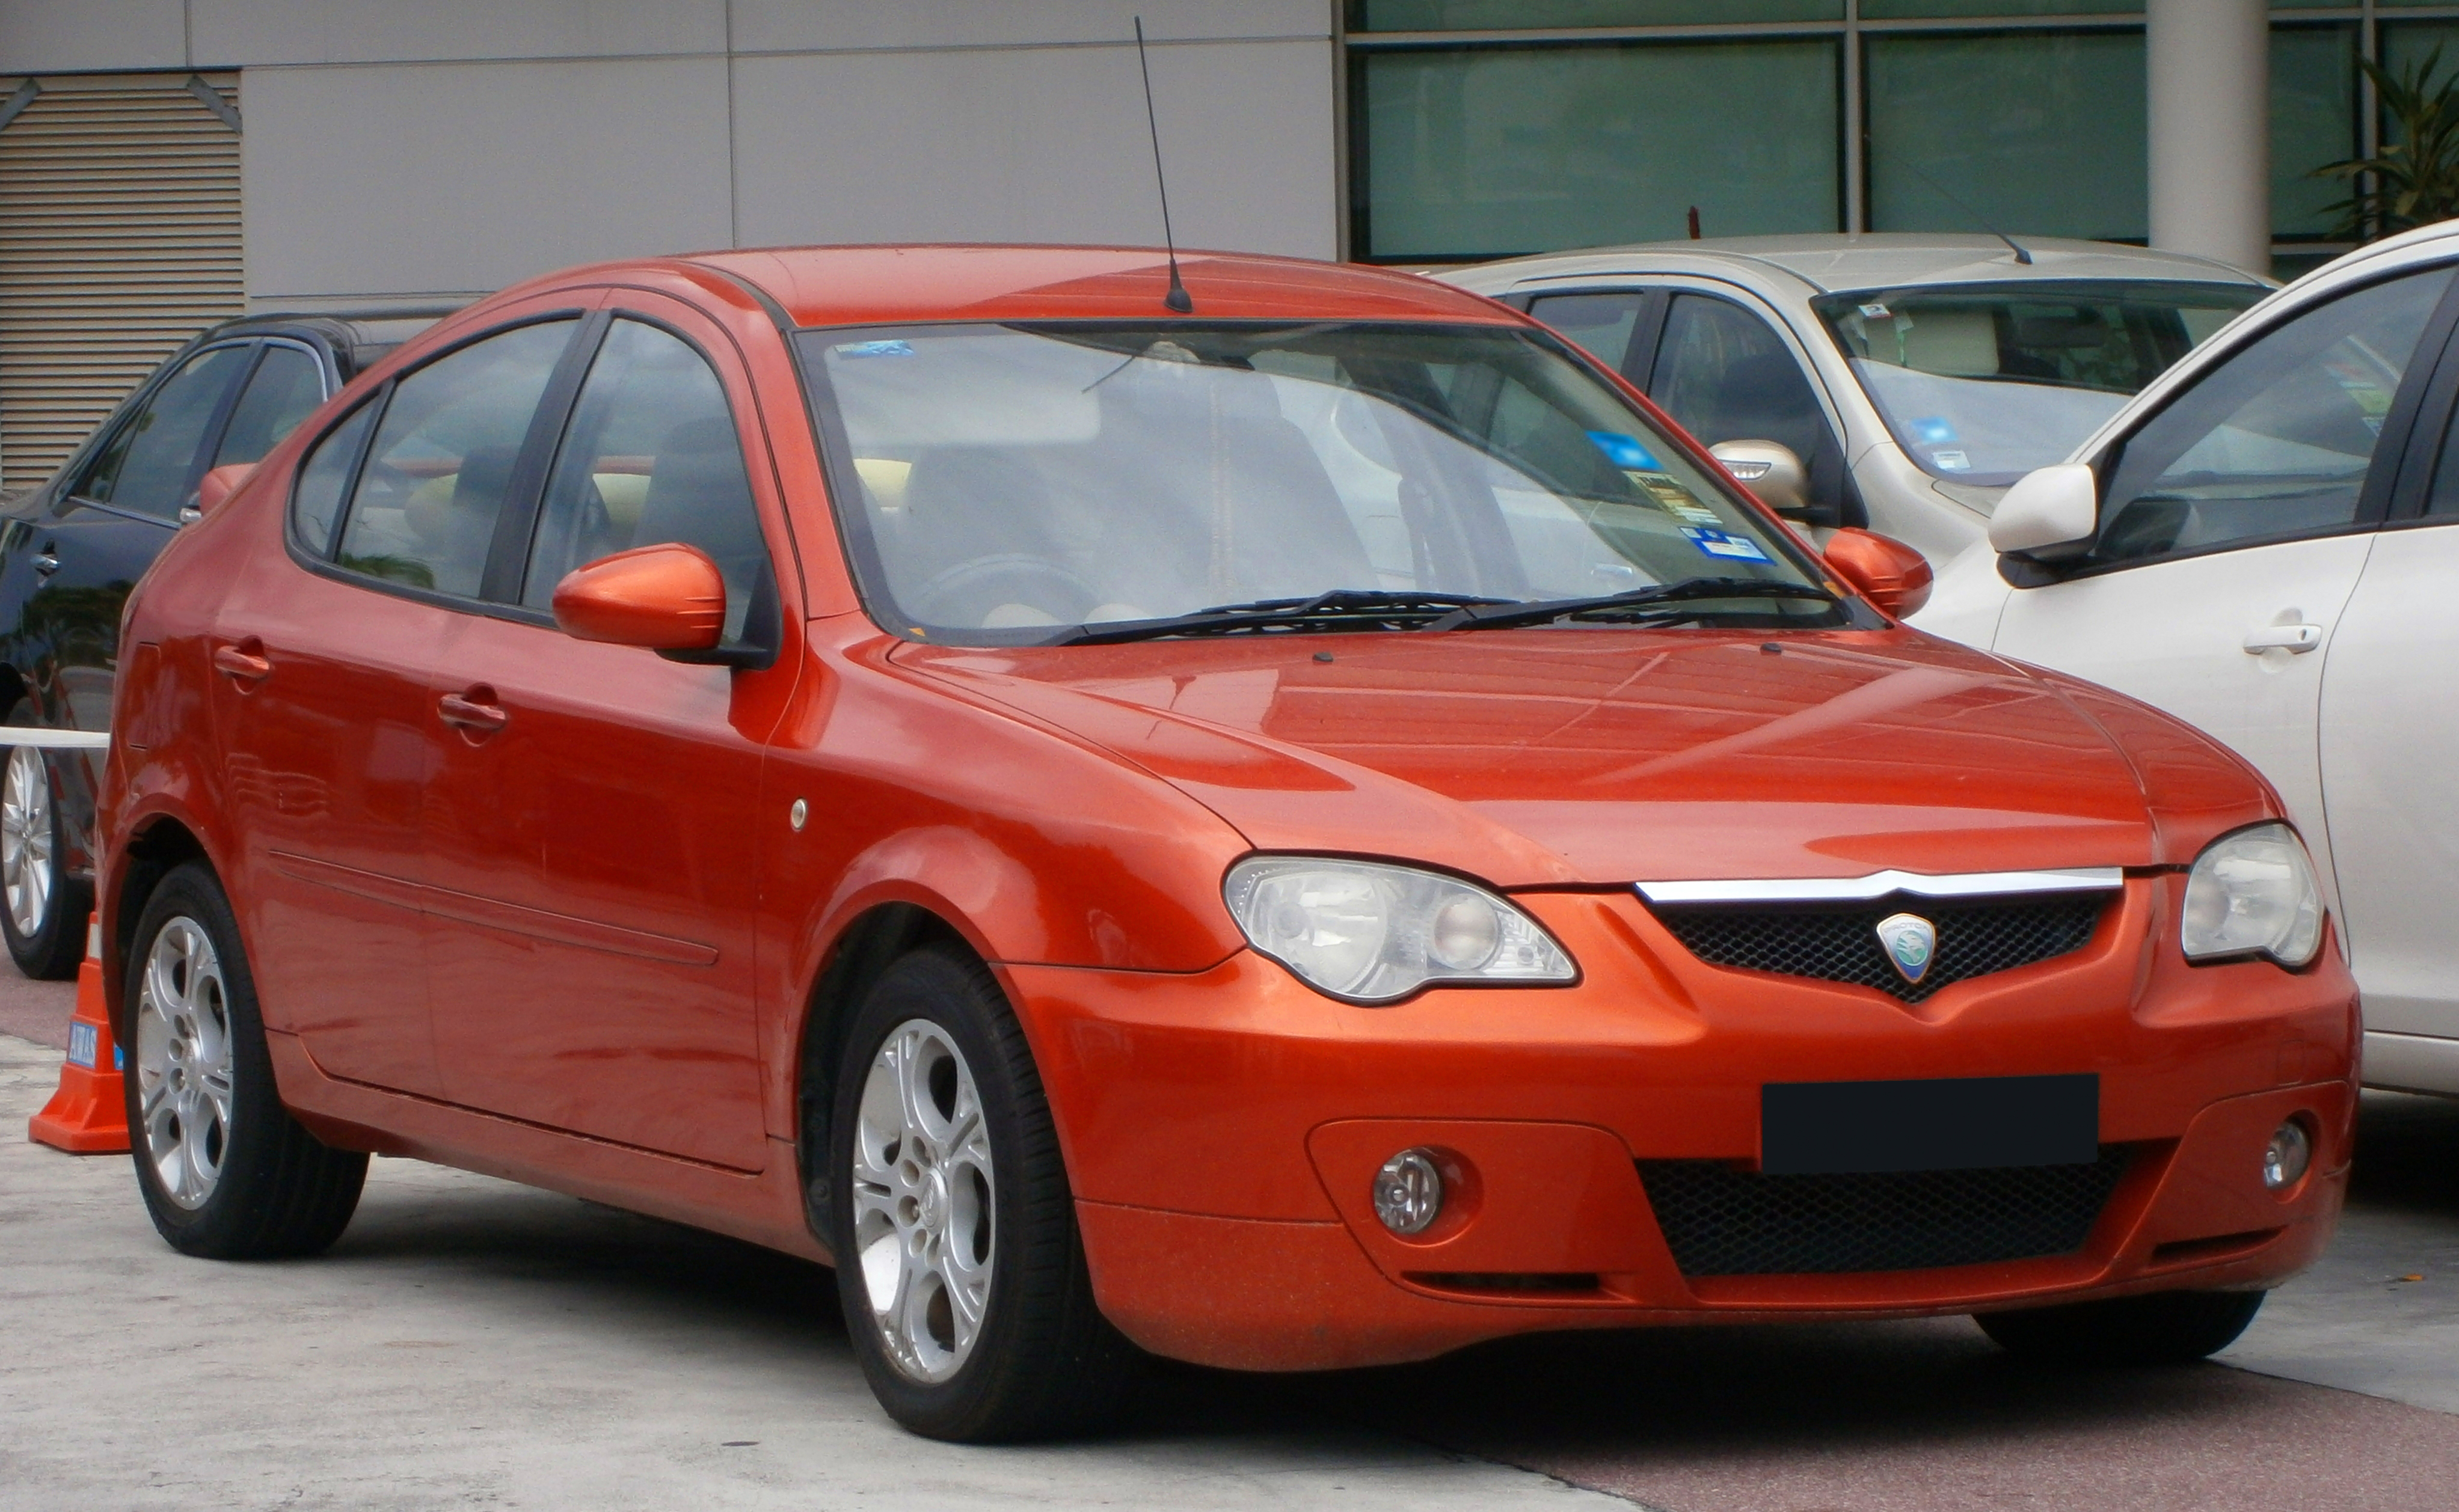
x,y
1933,431
1724,543
1624,451
873,348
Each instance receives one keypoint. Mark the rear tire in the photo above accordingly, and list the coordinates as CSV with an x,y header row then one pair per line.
x,y
228,1173
959,1266
42,909
2164,1328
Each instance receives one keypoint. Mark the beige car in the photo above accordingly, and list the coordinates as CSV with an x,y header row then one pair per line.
x,y
1913,377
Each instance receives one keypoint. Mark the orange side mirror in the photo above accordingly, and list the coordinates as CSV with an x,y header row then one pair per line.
x,y
220,484
1892,576
668,598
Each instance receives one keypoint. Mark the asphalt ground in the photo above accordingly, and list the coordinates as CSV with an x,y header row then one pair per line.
x,y
473,1343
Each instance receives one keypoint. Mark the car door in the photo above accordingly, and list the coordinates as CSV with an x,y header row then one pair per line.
x,y
1726,373
591,814
2389,725
322,705
2235,523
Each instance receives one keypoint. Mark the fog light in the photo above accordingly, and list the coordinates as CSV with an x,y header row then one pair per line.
x,y
1409,1191
2284,1160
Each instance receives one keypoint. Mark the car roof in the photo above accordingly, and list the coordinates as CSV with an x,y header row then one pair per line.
x,y
867,286
1833,263
357,337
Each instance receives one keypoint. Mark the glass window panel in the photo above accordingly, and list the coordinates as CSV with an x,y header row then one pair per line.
x,y
1495,15
317,496
1727,376
651,456
2033,132
285,389
1600,323
2406,45
145,467
425,510
2277,440
1490,152
2313,122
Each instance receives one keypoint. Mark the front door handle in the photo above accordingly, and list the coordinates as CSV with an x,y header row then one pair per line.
x,y
244,662
47,564
476,711
2294,639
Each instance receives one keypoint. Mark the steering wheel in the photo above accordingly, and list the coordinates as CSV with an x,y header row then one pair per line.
x,y
967,592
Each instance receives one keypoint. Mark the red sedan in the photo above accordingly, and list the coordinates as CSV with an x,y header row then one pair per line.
x,y
1303,832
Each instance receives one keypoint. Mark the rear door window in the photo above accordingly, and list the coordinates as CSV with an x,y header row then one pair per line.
x,y
437,477
151,462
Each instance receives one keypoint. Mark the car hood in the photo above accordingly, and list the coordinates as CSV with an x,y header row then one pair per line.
x,y
1613,756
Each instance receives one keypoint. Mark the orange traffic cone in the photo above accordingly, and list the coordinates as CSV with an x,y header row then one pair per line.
x,y
87,1116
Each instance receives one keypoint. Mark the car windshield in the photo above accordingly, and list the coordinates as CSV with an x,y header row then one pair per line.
x,y
1020,483
1981,383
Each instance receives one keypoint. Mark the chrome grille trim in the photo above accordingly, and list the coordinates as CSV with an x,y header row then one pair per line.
x,y
1883,884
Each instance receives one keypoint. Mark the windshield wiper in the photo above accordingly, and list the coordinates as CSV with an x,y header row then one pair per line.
x,y
1344,608
1635,604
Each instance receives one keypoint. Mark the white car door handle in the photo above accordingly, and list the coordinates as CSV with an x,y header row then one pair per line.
x,y
2294,639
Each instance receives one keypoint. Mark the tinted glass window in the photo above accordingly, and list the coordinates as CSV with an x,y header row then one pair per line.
x,y
317,498
147,463
1602,323
1727,376
651,456
2276,441
425,510
285,389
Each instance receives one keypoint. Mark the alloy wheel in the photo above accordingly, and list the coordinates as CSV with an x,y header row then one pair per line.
x,y
184,1061
922,1201
26,840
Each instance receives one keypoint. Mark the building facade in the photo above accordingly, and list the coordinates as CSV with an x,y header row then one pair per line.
x,y
165,163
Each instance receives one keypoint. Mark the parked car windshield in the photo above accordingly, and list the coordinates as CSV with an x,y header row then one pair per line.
x,y
1020,482
1981,383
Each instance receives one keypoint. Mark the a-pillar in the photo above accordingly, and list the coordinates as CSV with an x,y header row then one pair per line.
x,y
2209,72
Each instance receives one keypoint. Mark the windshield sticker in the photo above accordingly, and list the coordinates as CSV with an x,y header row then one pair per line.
x,y
1875,311
1724,544
1952,461
873,349
1937,431
1624,451
1673,498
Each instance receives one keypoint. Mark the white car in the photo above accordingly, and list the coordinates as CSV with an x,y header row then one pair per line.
x,y
1914,377
2265,543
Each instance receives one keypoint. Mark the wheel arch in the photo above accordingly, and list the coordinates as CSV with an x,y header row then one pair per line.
x,y
154,849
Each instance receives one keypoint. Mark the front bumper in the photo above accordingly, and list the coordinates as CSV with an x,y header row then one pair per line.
x,y
1222,1130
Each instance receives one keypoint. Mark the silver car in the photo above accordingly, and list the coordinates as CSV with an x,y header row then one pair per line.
x,y
1907,379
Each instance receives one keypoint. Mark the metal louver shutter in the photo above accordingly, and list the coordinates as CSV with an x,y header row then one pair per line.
x,y
120,239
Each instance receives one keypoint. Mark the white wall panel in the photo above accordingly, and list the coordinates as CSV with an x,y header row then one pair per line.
x,y
453,178
46,35
255,32
1040,145
786,25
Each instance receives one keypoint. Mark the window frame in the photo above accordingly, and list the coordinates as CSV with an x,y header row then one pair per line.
x,y
2388,489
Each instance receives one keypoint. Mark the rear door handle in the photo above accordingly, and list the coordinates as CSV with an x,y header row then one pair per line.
x,y
244,662
476,711
2294,639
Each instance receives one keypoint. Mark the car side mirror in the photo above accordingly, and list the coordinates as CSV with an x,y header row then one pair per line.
x,y
667,598
2050,513
1770,470
1892,576
216,486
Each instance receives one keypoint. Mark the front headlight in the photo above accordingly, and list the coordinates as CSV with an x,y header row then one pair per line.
x,y
1373,934
2253,894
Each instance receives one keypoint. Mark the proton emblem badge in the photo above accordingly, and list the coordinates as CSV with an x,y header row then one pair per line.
x,y
1911,943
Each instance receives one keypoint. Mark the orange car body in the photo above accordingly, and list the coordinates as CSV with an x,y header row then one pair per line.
x,y
594,950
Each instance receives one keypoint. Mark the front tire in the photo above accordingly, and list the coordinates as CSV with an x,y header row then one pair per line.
x,y
2164,1328
228,1173
42,909
959,1266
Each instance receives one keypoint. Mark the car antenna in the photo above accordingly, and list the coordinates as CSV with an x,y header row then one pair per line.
x,y
1177,297
2020,256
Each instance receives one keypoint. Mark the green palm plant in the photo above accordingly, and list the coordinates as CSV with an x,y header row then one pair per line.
x,y
2414,180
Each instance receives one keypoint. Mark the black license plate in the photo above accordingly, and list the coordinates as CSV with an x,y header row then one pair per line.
x,y
1951,1124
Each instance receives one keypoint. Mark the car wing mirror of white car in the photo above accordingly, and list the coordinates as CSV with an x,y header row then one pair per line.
x,y
2052,512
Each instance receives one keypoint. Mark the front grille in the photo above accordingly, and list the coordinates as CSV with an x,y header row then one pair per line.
x,y
1719,1220
1840,942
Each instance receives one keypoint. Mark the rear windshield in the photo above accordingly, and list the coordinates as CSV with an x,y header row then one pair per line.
x,y
1981,383
1022,482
